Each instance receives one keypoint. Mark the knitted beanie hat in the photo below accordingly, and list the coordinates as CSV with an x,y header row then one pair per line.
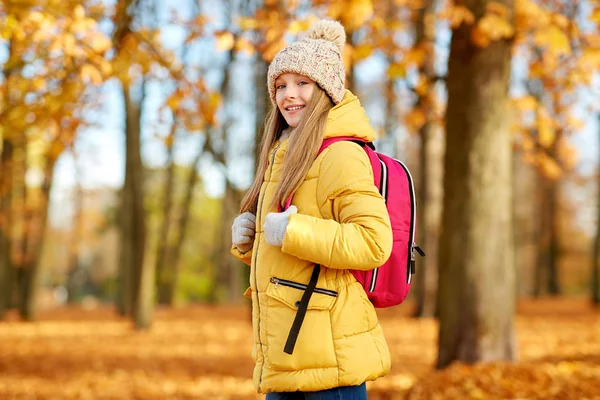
x,y
318,57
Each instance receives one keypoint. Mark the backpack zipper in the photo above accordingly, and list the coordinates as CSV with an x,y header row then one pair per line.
x,y
300,286
413,211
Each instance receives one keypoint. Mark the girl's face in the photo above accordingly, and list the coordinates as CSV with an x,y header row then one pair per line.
x,y
292,95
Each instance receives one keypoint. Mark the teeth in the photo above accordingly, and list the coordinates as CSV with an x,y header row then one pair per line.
x,y
294,108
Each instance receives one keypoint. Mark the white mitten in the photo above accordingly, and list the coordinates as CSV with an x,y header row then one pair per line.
x,y
242,231
275,225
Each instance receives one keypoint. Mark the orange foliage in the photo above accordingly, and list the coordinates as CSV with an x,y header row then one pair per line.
x,y
204,352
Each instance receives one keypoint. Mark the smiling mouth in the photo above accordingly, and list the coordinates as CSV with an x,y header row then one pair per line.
x,y
294,108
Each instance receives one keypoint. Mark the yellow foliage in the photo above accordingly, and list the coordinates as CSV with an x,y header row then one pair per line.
x,y
209,107
298,26
415,119
396,70
174,100
361,52
273,48
423,86
225,40
567,155
491,27
244,46
99,43
499,9
554,40
526,103
595,16
248,23
79,12
353,13
549,167
91,73
457,15
529,15
416,56
8,26
545,128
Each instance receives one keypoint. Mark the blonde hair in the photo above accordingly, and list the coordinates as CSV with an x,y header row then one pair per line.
x,y
303,146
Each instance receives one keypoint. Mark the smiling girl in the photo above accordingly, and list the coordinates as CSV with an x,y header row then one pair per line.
x,y
337,221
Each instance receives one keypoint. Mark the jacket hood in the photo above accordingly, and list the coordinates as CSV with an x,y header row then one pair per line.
x,y
349,118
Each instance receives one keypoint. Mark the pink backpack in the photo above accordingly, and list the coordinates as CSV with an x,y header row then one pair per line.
x,y
389,284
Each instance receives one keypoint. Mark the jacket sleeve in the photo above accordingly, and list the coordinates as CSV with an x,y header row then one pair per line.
x,y
246,257
359,234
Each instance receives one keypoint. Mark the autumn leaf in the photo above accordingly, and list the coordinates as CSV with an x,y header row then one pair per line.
x,y
526,103
396,70
298,26
549,167
79,12
545,128
595,16
415,56
489,28
99,43
553,39
457,15
225,40
245,46
91,73
174,100
248,23
355,13
415,119
362,52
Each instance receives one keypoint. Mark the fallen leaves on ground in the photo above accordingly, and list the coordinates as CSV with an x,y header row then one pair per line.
x,y
204,353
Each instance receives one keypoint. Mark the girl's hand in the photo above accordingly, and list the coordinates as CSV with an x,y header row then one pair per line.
x,y
275,225
242,231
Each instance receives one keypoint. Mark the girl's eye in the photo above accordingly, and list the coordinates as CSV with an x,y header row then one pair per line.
x,y
279,87
302,83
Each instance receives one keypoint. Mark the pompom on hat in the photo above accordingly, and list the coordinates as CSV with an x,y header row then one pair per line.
x,y
318,56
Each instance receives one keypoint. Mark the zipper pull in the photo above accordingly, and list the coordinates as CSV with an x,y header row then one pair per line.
x,y
419,250
275,281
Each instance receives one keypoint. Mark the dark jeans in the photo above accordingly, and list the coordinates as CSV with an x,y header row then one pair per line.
x,y
341,393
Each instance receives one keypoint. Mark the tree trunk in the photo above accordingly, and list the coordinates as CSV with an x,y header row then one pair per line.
x,y
350,75
526,214
476,292
174,252
6,267
263,102
431,174
22,219
36,239
164,270
547,277
225,266
73,287
227,281
137,275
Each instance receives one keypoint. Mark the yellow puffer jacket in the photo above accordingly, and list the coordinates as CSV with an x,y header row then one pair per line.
x,y
342,223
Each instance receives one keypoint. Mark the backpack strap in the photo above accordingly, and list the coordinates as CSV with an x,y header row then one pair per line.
x,y
301,313
312,284
325,144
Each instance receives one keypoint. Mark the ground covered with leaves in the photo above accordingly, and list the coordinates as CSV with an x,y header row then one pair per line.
x,y
204,353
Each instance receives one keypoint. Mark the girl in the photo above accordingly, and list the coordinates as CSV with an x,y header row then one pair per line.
x,y
338,221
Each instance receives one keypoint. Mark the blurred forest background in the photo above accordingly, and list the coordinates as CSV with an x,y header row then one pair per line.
x,y
129,132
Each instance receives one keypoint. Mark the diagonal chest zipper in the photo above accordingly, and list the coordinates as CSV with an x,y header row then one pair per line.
x,y
301,286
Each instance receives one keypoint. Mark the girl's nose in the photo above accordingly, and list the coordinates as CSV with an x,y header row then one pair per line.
x,y
291,92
